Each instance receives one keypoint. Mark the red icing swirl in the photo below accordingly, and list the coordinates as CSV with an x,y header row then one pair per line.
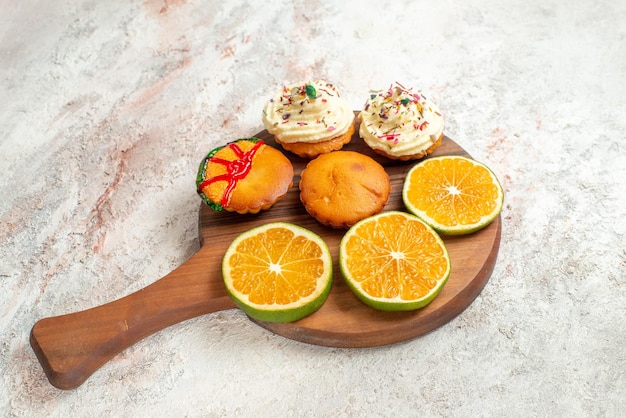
x,y
235,170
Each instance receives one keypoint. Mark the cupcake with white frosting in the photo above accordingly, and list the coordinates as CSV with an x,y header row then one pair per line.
x,y
401,124
309,118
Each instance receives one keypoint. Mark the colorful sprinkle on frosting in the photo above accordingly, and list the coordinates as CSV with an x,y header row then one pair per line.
x,y
307,112
400,121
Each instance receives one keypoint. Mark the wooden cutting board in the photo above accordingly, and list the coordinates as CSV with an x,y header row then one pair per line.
x,y
71,347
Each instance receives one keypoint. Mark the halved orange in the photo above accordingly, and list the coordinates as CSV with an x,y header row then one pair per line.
x,y
453,194
278,272
394,262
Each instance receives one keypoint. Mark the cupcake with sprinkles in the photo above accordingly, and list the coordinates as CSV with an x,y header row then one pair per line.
x,y
244,176
401,124
309,118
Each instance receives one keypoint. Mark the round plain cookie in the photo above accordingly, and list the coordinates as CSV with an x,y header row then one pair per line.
x,y
342,187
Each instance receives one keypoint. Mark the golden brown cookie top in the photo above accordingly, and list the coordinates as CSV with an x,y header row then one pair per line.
x,y
342,187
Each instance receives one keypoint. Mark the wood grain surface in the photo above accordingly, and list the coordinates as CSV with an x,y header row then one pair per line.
x,y
71,347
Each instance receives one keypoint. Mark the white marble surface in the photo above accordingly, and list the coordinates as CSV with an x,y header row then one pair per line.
x,y
106,108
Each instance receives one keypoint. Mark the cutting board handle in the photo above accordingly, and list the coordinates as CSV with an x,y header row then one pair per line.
x,y
72,347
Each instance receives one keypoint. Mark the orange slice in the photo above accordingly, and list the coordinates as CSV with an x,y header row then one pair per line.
x,y
453,194
394,262
278,272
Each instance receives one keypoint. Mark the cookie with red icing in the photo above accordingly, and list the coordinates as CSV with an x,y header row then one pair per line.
x,y
244,176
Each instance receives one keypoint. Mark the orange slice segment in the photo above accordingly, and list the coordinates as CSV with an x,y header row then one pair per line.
x,y
453,194
278,272
394,262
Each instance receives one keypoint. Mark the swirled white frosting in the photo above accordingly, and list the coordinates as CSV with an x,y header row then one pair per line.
x,y
307,112
399,122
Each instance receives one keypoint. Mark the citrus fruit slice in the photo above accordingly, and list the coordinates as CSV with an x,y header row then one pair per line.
x,y
278,272
453,194
394,262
